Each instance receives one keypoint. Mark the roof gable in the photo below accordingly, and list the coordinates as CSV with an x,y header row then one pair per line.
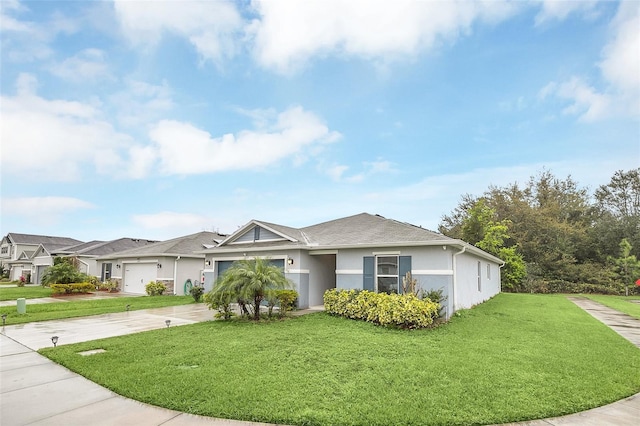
x,y
256,231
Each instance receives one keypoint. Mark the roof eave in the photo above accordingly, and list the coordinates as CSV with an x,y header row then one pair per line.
x,y
445,242
195,255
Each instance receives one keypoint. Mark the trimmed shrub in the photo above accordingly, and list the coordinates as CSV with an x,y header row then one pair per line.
x,y
111,285
395,310
435,296
220,301
286,300
196,292
72,288
155,288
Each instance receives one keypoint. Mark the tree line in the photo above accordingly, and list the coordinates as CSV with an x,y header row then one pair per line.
x,y
555,235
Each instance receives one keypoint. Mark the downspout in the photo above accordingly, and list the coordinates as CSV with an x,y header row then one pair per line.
x,y
175,275
455,277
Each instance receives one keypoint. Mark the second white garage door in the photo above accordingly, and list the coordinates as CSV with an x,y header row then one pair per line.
x,y
138,275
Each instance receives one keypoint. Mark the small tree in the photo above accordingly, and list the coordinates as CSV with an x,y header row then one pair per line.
x,y
251,281
62,272
627,265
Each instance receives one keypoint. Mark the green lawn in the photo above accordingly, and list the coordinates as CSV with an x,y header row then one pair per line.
x,y
60,310
12,293
514,358
624,304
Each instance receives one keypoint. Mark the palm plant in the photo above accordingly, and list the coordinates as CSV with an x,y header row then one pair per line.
x,y
252,280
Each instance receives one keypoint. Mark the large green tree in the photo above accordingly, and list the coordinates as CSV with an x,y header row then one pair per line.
x,y
251,281
618,213
548,221
482,228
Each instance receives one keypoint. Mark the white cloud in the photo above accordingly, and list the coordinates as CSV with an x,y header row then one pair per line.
x,y
185,149
169,224
68,135
620,67
559,10
584,100
43,210
88,64
621,57
26,41
209,26
338,172
55,205
289,33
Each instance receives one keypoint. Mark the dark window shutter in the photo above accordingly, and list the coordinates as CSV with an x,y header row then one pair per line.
x,y
369,273
403,268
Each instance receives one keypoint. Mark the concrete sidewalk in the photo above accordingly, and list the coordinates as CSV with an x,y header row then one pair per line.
x,y
77,297
37,391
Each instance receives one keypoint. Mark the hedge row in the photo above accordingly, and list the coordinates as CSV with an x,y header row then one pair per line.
x,y
399,310
560,286
72,288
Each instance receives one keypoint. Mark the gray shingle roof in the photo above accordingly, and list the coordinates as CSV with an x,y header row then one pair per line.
x,y
181,246
114,246
368,229
41,239
352,231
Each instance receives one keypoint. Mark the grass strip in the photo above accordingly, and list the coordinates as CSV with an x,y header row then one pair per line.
x,y
30,292
60,310
516,357
629,305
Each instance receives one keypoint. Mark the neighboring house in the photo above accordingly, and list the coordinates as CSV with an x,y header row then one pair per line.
x,y
174,262
363,252
17,252
88,253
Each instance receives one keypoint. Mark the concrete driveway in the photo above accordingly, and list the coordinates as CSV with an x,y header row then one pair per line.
x,y
37,335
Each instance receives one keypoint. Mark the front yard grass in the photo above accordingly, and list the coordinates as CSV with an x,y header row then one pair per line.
x,y
28,292
513,358
81,308
630,305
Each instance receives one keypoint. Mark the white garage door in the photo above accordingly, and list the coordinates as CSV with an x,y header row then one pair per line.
x,y
138,275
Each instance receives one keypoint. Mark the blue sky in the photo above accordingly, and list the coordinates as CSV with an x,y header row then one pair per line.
x,y
155,119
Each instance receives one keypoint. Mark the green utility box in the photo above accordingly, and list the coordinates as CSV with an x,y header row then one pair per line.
x,y
22,305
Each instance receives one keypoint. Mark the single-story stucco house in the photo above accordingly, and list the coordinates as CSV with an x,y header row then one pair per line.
x,y
363,252
84,253
174,262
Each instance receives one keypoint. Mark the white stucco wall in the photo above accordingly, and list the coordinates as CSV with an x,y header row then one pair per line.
x,y
187,269
467,293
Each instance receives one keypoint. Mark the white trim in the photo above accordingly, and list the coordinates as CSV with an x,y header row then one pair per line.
x,y
166,279
432,272
258,241
349,272
208,270
297,271
139,261
386,253
113,277
321,252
